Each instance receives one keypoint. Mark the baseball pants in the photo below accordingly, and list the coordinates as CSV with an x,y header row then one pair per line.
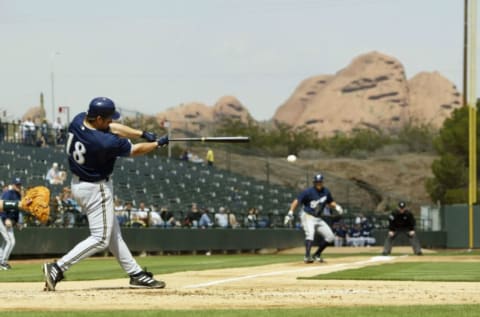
x,y
387,248
8,242
311,223
96,200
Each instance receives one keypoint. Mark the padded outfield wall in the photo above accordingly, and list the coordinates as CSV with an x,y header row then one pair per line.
x,y
38,241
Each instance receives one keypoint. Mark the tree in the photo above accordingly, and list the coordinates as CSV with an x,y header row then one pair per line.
x,y
450,180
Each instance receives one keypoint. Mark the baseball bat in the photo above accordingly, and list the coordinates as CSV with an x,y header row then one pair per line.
x,y
222,139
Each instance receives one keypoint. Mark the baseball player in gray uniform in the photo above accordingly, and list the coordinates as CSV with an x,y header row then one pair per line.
x,y
94,143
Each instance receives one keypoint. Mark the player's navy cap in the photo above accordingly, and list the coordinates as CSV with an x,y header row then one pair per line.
x,y
103,107
318,178
17,181
402,204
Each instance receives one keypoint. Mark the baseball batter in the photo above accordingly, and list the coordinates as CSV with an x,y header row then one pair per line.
x,y
93,145
314,200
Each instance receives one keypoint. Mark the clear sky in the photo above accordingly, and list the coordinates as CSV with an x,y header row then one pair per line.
x,y
149,55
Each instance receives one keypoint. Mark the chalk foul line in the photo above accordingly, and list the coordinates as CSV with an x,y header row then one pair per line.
x,y
334,267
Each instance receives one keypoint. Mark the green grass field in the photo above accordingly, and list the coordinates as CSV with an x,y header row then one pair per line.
x,y
418,271
376,311
108,268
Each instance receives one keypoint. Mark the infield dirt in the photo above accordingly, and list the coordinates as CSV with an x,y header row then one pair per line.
x,y
254,287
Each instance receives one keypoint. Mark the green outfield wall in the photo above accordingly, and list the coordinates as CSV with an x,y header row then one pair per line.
x,y
38,241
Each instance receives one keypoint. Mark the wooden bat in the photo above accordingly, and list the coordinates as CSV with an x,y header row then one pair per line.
x,y
222,139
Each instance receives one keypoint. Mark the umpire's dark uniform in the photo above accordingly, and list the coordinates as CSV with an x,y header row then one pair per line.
x,y
402,221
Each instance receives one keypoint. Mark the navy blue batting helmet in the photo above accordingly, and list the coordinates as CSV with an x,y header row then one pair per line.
x,y
318,178
103,107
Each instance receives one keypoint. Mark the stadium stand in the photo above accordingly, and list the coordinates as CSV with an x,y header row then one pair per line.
x,y
158,181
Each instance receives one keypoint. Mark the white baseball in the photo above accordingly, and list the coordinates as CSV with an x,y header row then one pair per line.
x,y
291,158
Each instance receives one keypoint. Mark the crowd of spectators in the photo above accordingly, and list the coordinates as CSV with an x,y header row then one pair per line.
x,y
28,132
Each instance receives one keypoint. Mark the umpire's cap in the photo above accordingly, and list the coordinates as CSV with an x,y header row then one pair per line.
x,y
402,204
103,107
318,178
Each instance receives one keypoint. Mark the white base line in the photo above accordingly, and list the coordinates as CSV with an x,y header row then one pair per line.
x,y
310,268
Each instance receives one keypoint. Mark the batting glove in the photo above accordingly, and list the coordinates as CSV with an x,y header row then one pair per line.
x,y
288,217
339,209
149,136
163,141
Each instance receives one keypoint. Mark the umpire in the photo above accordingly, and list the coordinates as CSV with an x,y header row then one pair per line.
x,y
401,221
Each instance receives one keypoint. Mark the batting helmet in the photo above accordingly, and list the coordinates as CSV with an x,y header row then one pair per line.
x,y
318,178
103,107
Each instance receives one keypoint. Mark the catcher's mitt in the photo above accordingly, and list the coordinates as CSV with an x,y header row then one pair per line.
x,y
37,202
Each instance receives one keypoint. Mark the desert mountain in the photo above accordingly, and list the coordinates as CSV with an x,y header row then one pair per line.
x,y
373,92
195,117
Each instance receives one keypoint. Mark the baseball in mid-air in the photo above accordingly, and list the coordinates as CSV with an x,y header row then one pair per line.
x,y
291,158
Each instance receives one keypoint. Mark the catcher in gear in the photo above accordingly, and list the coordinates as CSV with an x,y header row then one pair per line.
x,y
36,201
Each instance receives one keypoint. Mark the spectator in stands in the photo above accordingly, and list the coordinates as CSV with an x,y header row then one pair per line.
x,y
58,129
354,236
221,218
28,131
205,221
263,221
168,218
210,157
54,176
340,230
139,216
232,220
251,219
154,218
120,213
70,208
8,221
129,209
184,156
44,132
193,217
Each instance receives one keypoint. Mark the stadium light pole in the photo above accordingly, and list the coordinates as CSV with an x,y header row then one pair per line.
x,y
471,14
52,82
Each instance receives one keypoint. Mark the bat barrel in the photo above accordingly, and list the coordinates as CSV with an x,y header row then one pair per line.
x,y
218,139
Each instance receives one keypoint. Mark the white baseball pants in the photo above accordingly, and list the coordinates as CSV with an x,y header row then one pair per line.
x,y
8,242
311,223
96,200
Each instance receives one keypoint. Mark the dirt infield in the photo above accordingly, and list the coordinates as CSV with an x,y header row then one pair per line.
x,y
256,287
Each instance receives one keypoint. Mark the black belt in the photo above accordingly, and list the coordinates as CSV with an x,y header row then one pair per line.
x,y
93,181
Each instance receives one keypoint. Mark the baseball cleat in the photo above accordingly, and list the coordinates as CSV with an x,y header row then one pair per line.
x,y
5,266
318,259
308,259
53,274
145,279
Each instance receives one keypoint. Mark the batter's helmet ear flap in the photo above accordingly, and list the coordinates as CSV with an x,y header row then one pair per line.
x,y
318,178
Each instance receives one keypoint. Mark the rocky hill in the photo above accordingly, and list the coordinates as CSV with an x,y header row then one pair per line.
x,y
373,92
196,117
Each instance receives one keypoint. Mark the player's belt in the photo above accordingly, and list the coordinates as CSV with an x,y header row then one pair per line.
x,y
106,179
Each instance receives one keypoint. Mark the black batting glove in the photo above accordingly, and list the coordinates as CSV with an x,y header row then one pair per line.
x,y
163,141
149,136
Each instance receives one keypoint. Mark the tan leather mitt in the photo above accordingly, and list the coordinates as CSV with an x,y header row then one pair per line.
x,y
37,202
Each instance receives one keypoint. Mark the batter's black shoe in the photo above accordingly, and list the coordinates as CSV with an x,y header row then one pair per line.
x,y
308,259
53,274
5,266
145,279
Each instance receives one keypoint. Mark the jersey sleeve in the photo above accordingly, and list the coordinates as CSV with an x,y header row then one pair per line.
x,y
301,197
329,198
123,146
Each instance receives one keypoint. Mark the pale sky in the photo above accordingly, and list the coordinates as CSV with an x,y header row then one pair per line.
x,y
149,55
